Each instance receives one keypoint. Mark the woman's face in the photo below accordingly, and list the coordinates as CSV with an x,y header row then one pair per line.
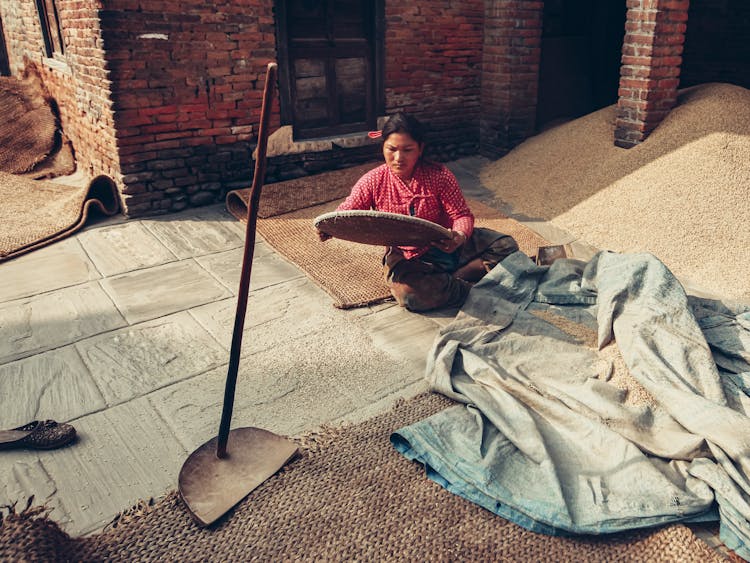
x,y
401,154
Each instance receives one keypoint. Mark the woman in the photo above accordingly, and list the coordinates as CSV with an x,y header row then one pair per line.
x,y
440,275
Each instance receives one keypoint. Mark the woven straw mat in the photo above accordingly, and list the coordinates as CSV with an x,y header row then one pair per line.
x,y
36,213
27,125
350,497
290,195
61,162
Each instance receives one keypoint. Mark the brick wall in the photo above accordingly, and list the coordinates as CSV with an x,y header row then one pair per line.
x,y
187,86
77,82
187,83
433,56
716,43
651,59
23,36
186,80
512,49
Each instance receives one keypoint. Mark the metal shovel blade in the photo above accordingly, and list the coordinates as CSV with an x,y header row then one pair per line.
x,y
210,485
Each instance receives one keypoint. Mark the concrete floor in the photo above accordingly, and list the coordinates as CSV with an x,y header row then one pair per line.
x,y
124,329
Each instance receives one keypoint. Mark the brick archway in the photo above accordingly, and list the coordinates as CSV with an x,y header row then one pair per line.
x,y
650,71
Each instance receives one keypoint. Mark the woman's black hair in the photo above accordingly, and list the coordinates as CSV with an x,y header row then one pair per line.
x,y
404,123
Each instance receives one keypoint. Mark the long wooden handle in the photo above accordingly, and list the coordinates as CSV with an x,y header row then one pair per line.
x,y
247,261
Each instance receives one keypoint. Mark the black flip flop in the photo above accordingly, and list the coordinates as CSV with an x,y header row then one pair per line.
x,y
38,435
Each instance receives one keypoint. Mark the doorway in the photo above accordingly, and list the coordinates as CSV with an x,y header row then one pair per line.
x,y
581,49
330,64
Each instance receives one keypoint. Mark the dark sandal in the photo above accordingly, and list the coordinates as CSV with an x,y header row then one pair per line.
x,y
39,435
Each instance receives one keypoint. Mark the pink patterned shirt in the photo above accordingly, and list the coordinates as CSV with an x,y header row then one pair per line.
x,y
432,193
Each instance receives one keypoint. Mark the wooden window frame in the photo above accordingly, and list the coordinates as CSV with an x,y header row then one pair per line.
x,y
51,30
375,96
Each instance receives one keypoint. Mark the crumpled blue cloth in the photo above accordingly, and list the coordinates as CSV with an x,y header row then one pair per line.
x,y
544,439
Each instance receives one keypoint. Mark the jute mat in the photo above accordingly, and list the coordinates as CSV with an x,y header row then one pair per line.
x,y
290,195
349,497
28,127
350,273
61,162
36,213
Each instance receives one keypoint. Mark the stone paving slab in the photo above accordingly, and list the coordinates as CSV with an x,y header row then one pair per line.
x,y
384,404
123,248
136,360
162,290
197,232
267,268
274,315
53,385
193,408
42,322
388,326
63,264
24,475
292,387
123,454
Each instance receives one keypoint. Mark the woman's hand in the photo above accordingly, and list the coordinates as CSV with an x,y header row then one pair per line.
x,y
323,236
450,244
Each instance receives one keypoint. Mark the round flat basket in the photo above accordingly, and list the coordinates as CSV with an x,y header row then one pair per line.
x,y
380,228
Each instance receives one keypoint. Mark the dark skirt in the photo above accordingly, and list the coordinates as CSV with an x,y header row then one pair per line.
x,y
430,281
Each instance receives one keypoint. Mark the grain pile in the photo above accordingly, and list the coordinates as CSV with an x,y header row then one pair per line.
x,y
682,194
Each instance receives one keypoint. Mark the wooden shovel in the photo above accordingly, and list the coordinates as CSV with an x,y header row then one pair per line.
x,y
213,479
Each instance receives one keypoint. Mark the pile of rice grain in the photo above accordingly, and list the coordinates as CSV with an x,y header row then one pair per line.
x,y
682,194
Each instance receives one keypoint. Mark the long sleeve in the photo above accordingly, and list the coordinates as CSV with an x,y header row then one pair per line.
x,y
455,204
362,195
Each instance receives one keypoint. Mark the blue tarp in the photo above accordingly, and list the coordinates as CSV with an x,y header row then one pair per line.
x,y
544,438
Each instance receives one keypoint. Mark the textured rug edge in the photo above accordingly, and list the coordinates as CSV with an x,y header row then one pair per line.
x,y
100,195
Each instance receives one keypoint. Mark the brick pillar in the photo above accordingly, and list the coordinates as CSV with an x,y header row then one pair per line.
x,y
651,59
510,74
